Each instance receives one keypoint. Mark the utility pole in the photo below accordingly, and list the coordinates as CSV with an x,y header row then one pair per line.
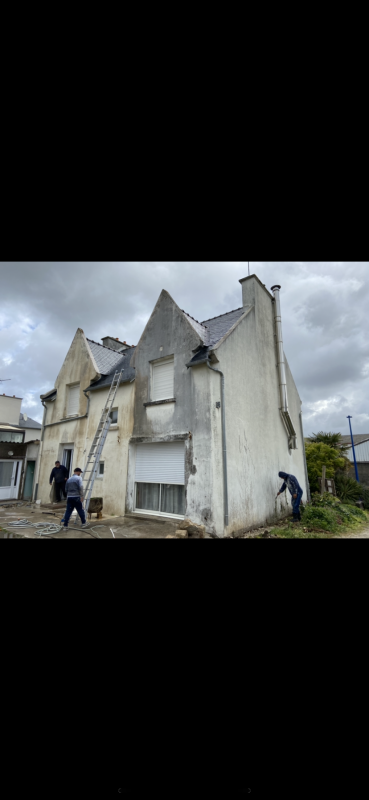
x,y
353,450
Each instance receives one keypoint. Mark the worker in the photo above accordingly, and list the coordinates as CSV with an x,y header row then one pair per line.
x,y
295,490
74,488
60,474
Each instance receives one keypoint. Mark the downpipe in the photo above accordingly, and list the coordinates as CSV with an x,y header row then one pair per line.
x,y
39,452
224,445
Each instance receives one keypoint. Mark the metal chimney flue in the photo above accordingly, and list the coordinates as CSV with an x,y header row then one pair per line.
x,y
287,421
279,341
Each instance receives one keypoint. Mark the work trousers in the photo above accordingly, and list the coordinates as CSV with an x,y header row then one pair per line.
x,y
60,490
72,503
296,505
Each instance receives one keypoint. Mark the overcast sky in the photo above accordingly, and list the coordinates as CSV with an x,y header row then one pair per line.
x,y
324,321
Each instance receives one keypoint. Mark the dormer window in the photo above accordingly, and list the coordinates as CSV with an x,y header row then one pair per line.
x,y
162,383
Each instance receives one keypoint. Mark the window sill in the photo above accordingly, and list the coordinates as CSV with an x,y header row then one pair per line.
x,y
160,402
114,426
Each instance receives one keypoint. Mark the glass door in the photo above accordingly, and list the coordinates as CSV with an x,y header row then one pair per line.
x,y
10,473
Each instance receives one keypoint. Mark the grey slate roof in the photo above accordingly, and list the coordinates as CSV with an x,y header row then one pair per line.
x,y
31,423
105,357
216,328
124,362
219,326
357,437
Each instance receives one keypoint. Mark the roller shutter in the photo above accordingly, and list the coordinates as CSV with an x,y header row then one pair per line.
x,y
162,380
160,462
73,400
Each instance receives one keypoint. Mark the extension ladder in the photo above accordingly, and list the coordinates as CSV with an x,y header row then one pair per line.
x,y
94,455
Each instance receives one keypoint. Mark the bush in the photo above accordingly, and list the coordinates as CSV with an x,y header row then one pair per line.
x,y
328,513
319,454
348,490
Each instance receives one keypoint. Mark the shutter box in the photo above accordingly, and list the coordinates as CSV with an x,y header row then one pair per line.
x,y
160,462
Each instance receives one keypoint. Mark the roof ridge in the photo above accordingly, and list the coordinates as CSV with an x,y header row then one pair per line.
x,y
195,320
222,315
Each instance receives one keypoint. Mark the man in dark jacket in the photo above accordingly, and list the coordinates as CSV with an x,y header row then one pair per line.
x,y
60,475
295,490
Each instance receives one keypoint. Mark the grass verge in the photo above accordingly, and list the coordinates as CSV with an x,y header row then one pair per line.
x,y
323,518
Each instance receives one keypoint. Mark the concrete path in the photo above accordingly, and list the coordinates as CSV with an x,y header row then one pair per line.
x,y
138,526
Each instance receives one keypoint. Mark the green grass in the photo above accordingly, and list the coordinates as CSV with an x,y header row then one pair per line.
x,y
324,517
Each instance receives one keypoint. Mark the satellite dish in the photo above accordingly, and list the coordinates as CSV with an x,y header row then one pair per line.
x,y
25,417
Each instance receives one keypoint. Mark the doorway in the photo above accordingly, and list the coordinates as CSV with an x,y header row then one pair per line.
x,y
67,460
28,483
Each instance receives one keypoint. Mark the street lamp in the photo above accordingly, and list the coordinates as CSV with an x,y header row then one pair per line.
x,y
353,450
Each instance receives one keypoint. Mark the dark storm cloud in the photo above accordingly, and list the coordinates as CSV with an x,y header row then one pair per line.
x,y
324,319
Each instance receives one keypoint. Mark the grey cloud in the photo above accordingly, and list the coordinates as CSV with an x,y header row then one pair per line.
x,y
324,311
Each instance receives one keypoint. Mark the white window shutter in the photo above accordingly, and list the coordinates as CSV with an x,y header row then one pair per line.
x,y
160,462
163,380
73,400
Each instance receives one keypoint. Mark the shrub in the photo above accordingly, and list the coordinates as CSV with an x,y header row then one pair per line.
x,y
319,454
348,490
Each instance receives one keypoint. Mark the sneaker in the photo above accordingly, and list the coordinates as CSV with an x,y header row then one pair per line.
x,y
65,527
85,525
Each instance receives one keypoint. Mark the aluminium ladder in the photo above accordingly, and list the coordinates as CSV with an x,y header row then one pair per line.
x,y
94,455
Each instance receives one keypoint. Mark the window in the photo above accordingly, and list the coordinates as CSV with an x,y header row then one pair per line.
x,y
160,477
73,400
11,436
101,469
162,383
114,416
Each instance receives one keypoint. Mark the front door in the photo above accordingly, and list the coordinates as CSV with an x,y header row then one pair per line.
x,y
28,483
10,472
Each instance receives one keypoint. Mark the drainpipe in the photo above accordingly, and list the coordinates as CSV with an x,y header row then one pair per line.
x,y
225,479
37,470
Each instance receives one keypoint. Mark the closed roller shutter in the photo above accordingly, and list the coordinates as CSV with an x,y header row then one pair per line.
x,y
162,380
73,400
160,462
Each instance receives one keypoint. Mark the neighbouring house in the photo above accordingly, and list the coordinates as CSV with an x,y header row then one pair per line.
x,y
72,410
361,444
19,450
206,416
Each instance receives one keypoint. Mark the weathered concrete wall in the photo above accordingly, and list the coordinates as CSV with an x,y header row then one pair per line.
x,y
257,442
112,486
10,409
78,367
32,451
192,417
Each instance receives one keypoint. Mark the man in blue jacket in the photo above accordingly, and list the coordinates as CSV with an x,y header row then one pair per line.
x,y
295,490
74,487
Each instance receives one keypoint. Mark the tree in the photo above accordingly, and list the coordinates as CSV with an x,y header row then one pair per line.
x,y
331,439
319,454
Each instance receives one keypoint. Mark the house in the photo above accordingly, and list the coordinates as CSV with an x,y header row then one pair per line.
x,y
19,448
206,415
361,444
212,424
72,410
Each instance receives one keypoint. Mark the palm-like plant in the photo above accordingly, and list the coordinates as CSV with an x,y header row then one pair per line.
x,y
331,439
